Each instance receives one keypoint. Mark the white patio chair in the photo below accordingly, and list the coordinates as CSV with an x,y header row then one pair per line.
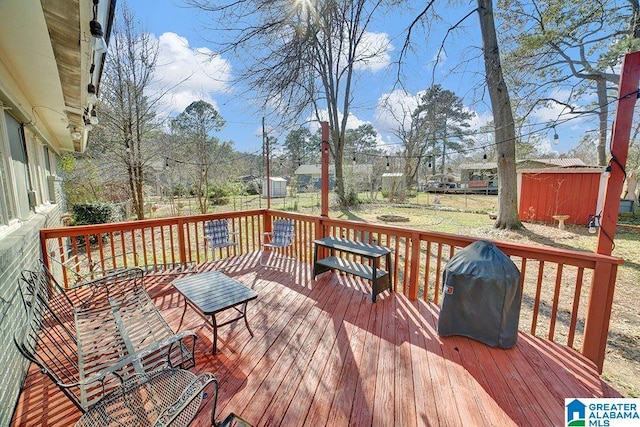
x,y
280,238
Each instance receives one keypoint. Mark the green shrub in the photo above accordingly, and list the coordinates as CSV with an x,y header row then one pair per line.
x,y
218,195
94,213
351,198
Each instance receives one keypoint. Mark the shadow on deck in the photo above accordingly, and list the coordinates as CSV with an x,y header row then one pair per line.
x,y
323,354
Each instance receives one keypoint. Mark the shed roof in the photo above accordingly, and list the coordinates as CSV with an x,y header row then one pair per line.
x,y
560,162
584,169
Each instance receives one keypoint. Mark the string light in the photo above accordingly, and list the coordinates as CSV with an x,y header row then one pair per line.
x,y
94,116
594,223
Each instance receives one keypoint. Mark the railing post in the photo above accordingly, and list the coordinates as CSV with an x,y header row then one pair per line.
x,y
44,249
267,224
182,247
596,328
414,266
625,110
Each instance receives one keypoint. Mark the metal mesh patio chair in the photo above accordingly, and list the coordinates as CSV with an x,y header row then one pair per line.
x,y
75,336
279,239
217,236
166,397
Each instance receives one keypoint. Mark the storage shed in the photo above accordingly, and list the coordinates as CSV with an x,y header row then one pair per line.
x,y
577,192
393,182
278,187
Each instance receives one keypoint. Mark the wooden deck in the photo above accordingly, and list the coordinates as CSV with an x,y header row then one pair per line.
x,y
323,354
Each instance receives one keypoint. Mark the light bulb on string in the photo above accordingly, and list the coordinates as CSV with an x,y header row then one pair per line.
x,y
556,138
388,165
94,117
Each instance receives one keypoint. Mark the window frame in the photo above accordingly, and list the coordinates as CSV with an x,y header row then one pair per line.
x,y
8,218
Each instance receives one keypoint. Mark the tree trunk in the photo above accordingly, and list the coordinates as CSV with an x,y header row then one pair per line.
x,y
503,121
601,90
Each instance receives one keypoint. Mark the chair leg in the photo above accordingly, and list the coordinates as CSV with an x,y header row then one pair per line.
x,y
272,259
214,262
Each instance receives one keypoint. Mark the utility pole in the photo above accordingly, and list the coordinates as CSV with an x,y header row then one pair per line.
x,y
265,139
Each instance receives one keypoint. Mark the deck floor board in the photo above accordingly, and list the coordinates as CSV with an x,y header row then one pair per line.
x,y
323,354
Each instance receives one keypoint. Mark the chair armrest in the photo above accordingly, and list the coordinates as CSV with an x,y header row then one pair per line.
x,y
266,236
190,393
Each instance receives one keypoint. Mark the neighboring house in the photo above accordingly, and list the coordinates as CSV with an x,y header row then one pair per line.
x,y
479,175
308,176
485,174
278,187
48,67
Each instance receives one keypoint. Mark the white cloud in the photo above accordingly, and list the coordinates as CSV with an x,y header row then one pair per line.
x,y
545,147
353,122
188,74
554,110
373,52
394,110
480,120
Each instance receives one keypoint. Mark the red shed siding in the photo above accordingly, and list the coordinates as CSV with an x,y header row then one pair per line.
x,y
544,194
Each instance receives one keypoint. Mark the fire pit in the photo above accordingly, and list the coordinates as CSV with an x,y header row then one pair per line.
x,y
392,218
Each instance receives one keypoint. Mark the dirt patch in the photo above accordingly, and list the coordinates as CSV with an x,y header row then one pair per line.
x,y
392,218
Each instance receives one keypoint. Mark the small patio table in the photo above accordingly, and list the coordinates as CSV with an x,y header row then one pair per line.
x,y
213,292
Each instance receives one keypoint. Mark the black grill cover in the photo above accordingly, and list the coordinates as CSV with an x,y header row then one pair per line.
x,y
481,296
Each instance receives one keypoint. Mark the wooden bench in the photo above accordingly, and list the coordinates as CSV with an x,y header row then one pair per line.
x,y
380,279
101,337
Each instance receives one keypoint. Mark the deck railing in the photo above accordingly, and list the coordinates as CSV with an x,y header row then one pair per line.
x,y
567,295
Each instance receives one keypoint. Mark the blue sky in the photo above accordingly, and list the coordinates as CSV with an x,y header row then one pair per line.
x,y
183,42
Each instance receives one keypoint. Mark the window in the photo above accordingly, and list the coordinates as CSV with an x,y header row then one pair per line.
x,y
47,160
7,207
19,169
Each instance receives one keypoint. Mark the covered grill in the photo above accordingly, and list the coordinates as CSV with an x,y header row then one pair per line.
x,y
481,296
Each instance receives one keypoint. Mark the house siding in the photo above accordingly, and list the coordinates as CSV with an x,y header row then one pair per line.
x,y
18,251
